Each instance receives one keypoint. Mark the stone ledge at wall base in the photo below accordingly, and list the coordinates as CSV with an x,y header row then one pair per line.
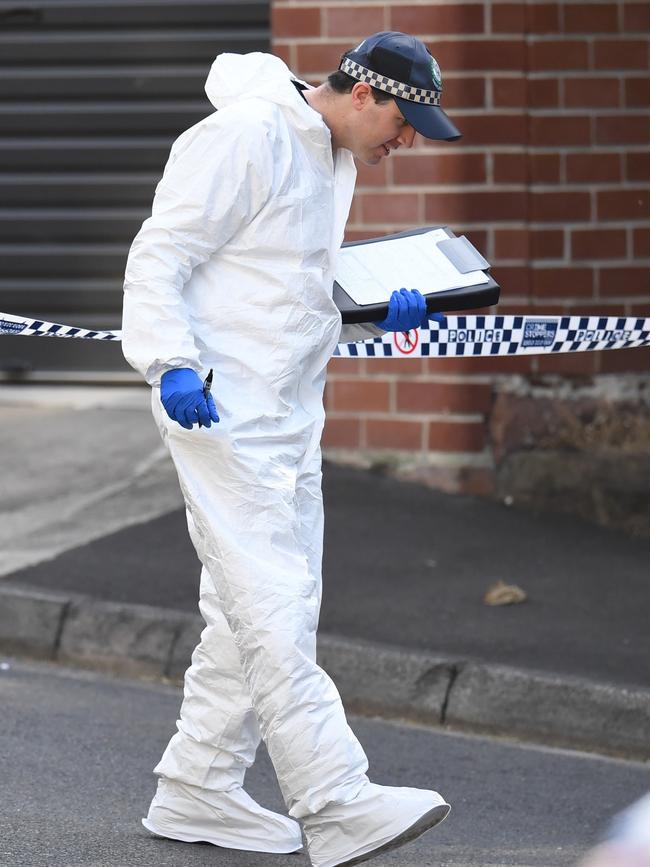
x,y
608,489
612,490
578,445
388,681
452,473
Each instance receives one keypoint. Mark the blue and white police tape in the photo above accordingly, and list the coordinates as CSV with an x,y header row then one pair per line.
x,y
478,335
473,335
20,325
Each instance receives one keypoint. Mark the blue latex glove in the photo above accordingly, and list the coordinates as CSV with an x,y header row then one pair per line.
x,y
407,309
181,393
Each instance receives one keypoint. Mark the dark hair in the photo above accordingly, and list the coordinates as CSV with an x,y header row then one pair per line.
x,y
341,82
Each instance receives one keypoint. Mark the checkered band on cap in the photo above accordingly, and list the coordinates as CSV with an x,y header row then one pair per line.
x,y
382,82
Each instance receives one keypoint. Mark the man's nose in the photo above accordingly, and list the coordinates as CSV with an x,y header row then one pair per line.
x,y
405,138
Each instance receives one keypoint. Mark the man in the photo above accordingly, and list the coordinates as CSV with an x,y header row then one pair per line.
x,y
233,271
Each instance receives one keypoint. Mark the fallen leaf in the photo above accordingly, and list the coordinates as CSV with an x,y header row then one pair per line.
x,y
504,594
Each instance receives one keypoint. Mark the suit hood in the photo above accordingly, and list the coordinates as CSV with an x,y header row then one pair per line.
x,y
237,77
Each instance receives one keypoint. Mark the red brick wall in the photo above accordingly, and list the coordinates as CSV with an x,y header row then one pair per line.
x,y
551,181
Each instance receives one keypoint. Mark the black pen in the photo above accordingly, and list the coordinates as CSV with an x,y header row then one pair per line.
x,y
207,385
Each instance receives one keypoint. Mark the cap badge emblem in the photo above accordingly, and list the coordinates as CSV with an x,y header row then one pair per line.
x,y
436,75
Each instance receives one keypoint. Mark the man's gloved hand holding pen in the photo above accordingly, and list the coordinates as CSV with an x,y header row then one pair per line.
x,y
187,399
407,309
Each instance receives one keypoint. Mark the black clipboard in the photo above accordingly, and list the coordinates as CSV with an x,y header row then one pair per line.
x,y
465,298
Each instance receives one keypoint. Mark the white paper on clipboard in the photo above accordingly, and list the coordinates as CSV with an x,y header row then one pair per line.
x,y
369,273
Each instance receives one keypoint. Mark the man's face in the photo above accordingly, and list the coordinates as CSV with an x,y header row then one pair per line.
x,y
376,128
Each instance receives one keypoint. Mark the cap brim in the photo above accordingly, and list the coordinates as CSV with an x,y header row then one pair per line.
x,y
429,120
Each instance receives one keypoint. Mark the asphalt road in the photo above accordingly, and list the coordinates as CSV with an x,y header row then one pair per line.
x,y
77,748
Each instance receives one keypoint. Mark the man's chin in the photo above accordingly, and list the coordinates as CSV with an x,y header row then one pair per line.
x,y
370,159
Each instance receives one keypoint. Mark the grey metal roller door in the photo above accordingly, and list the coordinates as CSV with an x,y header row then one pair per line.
x,y
92,95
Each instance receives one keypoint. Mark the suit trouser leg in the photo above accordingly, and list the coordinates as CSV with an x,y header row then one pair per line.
x,y
251,519
218,733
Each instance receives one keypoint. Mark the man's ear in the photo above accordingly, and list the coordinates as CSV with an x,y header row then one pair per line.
x,y
361,94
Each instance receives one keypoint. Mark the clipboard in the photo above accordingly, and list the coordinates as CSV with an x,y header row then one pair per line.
x,y
464,298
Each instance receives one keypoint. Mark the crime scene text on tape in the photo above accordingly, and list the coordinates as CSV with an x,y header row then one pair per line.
x,y
473,335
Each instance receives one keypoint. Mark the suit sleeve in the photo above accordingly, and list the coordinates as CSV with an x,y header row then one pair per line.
x,y
217,178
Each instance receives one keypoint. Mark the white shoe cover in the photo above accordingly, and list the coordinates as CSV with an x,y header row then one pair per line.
x,y
229,819
380,818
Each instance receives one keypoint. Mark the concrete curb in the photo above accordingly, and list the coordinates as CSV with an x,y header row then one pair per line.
x,y
109,636
372,678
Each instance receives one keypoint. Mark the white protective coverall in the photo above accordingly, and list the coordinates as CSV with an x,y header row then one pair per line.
x,y
233,271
